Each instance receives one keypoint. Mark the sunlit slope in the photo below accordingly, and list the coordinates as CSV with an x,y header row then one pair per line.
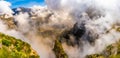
x,y
15,48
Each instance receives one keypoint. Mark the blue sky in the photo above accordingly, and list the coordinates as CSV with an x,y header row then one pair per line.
x,y
25,3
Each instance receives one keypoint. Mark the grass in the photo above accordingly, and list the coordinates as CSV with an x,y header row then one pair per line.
x,y
11,47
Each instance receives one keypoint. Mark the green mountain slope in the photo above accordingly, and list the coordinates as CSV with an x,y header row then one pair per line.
x,y
58,49
112,51
15,48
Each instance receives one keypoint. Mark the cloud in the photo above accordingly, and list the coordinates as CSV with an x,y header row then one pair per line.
x,y
97,16
5,8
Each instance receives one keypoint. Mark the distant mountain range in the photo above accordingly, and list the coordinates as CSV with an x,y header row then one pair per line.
x,y
21,9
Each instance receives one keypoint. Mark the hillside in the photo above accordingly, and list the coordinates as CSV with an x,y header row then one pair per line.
x,y
112,51
15,48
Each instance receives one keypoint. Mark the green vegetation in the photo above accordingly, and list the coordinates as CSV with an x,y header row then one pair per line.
x,y
15,48
59,52
112,51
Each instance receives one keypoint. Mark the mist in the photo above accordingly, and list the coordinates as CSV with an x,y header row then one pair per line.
x,y
97,21
96,17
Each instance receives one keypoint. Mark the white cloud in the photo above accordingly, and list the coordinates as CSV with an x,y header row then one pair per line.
x,y
5,8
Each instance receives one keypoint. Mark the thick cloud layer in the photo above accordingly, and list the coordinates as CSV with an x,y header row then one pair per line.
x,y
97,16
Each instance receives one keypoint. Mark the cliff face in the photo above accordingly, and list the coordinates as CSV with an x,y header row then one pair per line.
x,y
15,48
